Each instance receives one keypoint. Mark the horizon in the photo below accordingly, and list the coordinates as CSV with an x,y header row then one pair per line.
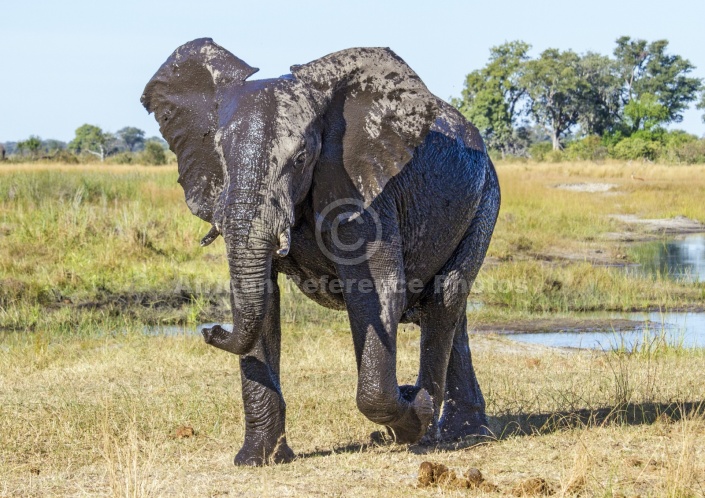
x,y
73,68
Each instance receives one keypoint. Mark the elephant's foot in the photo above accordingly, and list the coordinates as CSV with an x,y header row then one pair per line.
x,y
459,422
414,422
259,450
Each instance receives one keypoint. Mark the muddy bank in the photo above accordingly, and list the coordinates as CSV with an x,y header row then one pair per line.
x,y
649,229
609,251
557,325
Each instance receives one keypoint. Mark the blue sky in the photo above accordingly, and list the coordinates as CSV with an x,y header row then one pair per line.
x,y
66,63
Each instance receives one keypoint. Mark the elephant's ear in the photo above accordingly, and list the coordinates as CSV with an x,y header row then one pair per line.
x,y
184,95
376,111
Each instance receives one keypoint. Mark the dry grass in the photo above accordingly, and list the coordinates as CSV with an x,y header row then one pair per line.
x,y
100,416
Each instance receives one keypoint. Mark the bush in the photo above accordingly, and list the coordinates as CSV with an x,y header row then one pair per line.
x,y
589,148
636,147
153,154
691,152
555,156
540,150
122,158
64,156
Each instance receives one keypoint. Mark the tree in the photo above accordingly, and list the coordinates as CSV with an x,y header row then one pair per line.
x,y
701,105
93,140
492,96
557,91
651,76
601,98
32,145
645,113
132,136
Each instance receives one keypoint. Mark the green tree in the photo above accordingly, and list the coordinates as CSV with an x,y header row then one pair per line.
x,y
32,146
557,90
92,140
645,113
701,105
132,136
492,96
651,76
601,96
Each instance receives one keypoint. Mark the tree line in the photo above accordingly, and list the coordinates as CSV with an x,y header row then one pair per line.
x,y
566,104
560,104
127,145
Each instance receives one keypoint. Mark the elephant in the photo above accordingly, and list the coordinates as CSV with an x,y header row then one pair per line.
x,y
350,174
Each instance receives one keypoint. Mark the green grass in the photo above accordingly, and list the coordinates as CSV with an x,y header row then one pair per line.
x,y
87,243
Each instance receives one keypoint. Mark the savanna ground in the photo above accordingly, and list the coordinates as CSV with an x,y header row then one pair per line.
x,y
92,257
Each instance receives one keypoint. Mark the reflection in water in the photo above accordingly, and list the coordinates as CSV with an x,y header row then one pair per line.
x,y
678,259
676,329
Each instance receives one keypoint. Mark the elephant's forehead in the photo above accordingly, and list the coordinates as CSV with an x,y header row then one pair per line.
x,y
295,114
273,114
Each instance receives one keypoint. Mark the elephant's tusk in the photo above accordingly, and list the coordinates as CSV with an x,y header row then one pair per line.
x,y
284,243
212,234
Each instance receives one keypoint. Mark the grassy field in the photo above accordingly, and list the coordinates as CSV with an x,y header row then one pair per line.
x,y
91,256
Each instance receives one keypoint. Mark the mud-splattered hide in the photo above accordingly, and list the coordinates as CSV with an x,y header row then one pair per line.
x,y
184,95
352,119
272,163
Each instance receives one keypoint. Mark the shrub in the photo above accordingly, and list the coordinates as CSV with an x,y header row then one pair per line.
x,y
122,158
589,148
555,156
636,147
64,156
153,154
538,151
691,152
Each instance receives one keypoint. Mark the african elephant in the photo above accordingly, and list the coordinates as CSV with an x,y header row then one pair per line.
x,y
350,174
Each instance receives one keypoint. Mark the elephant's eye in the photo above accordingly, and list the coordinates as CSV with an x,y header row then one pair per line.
x,y
300,159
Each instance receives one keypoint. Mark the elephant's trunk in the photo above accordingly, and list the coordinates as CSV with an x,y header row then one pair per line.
x,y
250,248
250,286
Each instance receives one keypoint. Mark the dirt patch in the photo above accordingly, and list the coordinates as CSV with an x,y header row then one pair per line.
x,y
607,253
680,225
541,325
586,187
594,256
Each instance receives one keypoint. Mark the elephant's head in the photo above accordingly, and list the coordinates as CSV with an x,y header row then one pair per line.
x,y
249,152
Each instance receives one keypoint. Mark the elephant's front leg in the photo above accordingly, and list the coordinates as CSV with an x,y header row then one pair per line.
x,y
375,297
265,410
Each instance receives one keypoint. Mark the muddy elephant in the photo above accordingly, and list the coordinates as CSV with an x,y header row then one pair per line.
x,y
374,195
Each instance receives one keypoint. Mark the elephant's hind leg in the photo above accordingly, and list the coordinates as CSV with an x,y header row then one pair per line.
x,y
446,369
463,403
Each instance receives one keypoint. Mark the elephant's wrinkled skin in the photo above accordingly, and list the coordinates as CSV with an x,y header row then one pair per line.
x,y
374,195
